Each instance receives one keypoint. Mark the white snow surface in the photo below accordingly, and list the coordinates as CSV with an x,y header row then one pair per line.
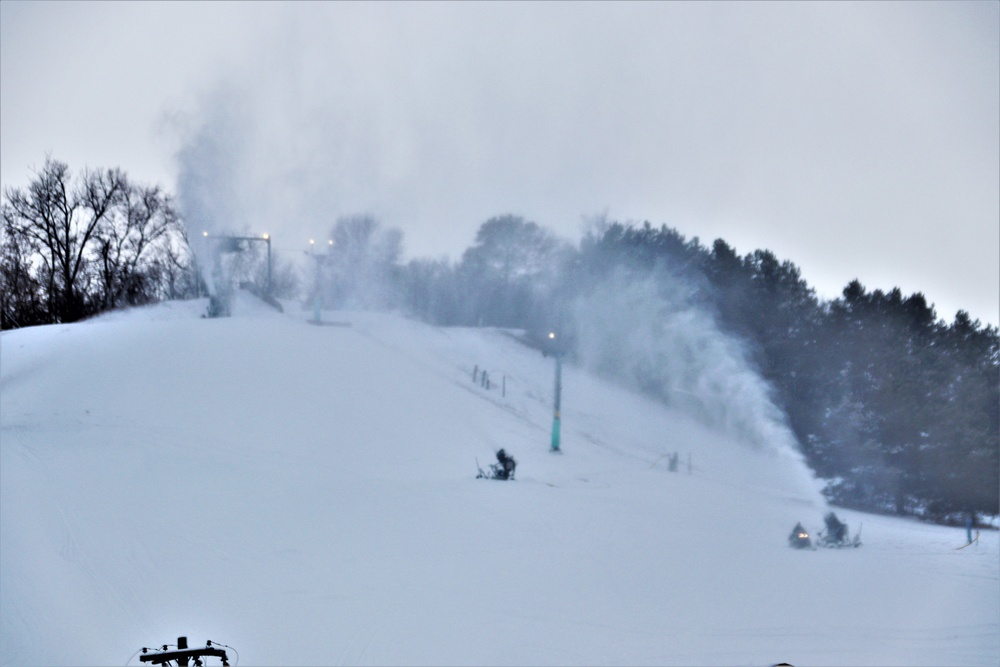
x,y
307,495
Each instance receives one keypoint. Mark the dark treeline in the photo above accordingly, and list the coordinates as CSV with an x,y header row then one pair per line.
x,y
898,410
71,247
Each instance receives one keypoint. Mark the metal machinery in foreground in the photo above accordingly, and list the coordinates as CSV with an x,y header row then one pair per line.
x,y
184,656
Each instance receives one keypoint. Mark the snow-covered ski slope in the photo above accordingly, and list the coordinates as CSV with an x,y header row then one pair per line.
x,y
307,495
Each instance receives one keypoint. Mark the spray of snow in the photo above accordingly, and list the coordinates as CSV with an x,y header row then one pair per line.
x,y
651,333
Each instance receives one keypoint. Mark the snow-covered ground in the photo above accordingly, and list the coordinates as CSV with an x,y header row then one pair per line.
x,y
306,494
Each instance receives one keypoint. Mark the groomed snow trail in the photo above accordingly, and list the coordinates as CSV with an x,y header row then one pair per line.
x,y
307,495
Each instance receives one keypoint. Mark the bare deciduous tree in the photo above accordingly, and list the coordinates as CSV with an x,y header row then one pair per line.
x,y
22,299
143,218
73,247
363,261
62,221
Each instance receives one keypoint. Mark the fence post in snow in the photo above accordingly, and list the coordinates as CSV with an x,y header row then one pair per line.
x,y
475,373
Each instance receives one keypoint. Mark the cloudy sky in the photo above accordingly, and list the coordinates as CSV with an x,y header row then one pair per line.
x,y
857,140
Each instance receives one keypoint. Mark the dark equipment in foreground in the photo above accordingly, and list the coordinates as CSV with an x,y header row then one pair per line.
x,y
502,469
836,535
799,539
183,655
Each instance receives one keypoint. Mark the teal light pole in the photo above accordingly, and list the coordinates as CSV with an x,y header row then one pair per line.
x,y
317,318
556,426
267,237
316,313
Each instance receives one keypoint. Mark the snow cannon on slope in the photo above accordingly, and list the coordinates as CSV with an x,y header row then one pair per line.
x,y
503,469
837,535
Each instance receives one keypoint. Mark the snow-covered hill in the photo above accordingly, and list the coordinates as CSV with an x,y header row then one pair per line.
x,y
306,494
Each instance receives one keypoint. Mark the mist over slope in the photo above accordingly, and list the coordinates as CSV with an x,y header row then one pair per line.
x,y
306,494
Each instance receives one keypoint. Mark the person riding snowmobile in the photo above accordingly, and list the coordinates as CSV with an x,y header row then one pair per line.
x,y
799,538
836,532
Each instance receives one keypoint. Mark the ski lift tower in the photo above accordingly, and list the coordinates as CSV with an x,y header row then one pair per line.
x,y
232,244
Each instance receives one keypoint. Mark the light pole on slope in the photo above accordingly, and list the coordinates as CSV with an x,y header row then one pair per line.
x,y
316,297
556,419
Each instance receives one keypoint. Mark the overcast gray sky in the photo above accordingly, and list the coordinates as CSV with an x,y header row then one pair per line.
x,y
857,140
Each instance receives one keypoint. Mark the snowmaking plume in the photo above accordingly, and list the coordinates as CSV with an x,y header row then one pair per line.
x,y
650,334
209,183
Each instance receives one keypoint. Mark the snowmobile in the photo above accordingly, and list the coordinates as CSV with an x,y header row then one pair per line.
x,y
836,535
799,539
502,469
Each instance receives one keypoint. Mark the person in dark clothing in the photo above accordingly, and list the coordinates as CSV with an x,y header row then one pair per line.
x,y
835,530
505,468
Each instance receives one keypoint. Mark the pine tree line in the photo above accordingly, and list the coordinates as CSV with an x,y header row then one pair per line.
x,y
897,409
